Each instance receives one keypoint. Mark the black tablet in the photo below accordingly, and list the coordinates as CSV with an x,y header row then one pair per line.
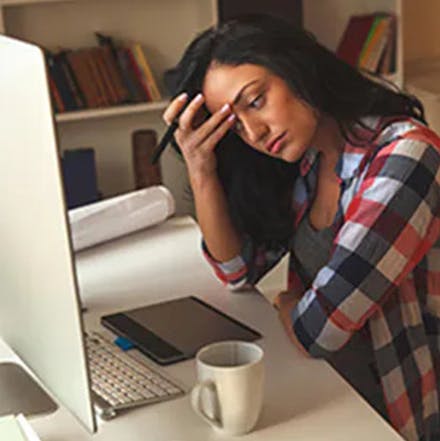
x,y
175,330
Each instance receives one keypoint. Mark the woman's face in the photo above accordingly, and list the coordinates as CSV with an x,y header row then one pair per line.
x,y
270,118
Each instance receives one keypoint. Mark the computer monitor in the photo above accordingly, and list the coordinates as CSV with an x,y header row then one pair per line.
x,y
39,305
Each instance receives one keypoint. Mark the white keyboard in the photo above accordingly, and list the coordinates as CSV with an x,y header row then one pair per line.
x,y
120,382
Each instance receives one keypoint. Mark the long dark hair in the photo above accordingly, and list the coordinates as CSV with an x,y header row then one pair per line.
x,y
258,187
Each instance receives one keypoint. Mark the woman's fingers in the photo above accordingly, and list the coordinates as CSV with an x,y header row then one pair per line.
x,y
188,116
208,128
174,108
204,136
217,134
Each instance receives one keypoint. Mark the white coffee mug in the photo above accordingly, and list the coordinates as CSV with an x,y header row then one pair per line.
x,y
229,392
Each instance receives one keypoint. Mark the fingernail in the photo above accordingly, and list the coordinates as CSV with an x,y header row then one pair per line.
x,y
198,97
182,96
225,108
231,117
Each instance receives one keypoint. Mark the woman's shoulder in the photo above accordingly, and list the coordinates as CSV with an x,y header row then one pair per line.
x,y
406,128
407,143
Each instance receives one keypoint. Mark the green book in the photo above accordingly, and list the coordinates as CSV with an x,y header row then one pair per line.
x,y
10,429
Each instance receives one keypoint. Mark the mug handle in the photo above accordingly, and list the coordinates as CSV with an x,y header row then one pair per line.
x,y
196,395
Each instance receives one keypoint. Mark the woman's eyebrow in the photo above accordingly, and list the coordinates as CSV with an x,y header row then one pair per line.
x,y
240,93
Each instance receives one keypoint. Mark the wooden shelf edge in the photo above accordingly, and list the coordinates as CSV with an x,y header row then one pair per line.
x,y
29,2
128,109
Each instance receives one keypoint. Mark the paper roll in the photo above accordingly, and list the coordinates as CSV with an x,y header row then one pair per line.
x,y
115,217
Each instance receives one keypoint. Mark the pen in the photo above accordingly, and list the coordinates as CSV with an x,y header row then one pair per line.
x,y
165,139
168,136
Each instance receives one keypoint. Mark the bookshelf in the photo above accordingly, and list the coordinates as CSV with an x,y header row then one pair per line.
x,y
163,27
329,31
418,41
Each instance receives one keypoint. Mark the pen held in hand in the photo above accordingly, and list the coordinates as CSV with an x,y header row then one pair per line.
x,y
166,139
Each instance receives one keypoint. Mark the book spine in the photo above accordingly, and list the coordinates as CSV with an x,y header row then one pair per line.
x,y
103,99
140,78
105,78
56,97
82,74
376,45
111,56
136,94
61,82
73,84
147,73
116,74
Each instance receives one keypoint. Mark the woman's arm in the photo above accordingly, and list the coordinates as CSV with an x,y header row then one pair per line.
x,y
285,302
220,236
236,260
197,140
389,226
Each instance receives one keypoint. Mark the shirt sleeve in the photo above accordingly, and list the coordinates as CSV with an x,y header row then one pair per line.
x,y
248,267
390,224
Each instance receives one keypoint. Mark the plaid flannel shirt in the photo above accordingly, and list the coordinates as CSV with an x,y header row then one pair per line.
x,y
383,272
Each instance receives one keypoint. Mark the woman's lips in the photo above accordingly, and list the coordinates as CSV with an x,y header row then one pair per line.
x,y
276,144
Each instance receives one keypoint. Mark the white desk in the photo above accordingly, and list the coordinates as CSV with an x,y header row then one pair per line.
x,y
305,399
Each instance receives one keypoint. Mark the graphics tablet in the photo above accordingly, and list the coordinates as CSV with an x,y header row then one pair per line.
x,y
175,330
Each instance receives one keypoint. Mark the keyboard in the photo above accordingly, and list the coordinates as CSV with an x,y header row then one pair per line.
x,y
120,382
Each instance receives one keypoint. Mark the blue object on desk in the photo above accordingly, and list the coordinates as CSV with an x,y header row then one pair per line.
x,y
124,343
80,179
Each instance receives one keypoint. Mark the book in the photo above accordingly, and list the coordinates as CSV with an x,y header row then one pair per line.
x,y
354,37
78,62
138,73
375,44
61,59
105,79
387,63
136,92
147,72
97,84
110,55
60,80
113,77
55,95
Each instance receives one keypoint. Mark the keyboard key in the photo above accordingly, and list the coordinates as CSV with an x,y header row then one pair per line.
x,y
122,381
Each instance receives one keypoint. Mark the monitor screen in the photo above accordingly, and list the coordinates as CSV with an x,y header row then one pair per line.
x,y
39,306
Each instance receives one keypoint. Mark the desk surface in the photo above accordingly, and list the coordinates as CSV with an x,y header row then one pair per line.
x,y
305,399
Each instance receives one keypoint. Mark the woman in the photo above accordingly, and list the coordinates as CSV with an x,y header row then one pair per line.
x,y
289,149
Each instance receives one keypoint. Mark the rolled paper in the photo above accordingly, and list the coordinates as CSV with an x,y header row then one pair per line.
x,y
118,216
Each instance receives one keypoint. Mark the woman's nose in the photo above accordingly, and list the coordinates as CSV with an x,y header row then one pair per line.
x,y
255,130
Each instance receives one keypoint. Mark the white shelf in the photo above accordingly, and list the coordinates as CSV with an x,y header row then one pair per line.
x,y
29,2
106,112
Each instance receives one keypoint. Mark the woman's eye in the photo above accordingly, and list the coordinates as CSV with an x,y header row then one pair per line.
x,y
257,102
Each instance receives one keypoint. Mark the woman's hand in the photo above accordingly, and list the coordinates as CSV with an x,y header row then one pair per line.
x,y
197,140
285,301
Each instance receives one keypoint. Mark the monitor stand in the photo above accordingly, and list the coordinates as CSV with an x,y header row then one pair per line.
x,y
21,394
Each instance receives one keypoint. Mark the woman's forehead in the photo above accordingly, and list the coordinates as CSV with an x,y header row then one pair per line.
x,y
223,83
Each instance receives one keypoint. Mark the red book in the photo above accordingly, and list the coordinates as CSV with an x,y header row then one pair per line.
x,y
56,97
354,38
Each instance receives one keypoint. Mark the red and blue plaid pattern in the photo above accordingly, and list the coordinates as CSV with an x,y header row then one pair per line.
x,y
383,272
